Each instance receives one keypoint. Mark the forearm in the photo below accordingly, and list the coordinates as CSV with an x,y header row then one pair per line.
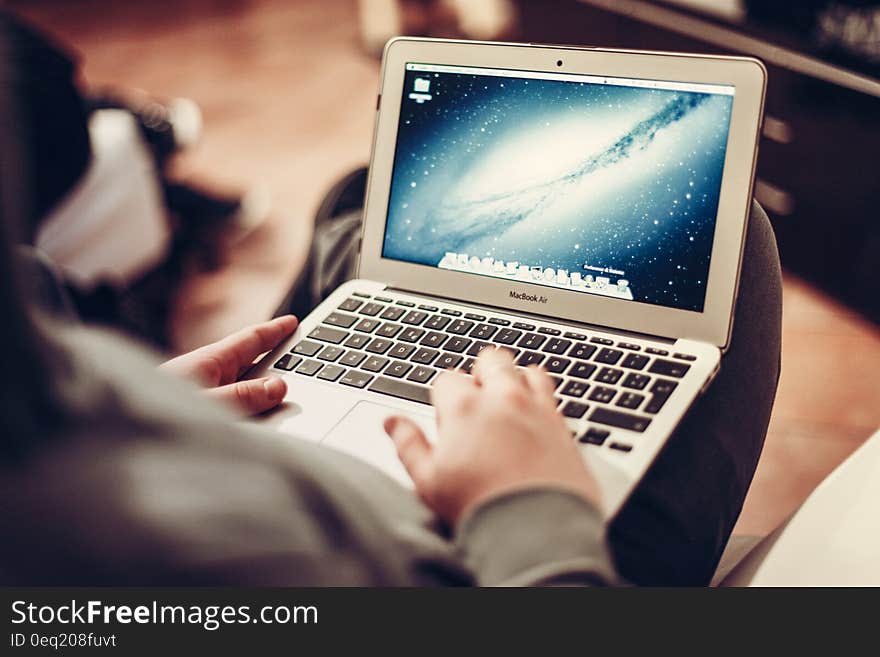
x,y
536,537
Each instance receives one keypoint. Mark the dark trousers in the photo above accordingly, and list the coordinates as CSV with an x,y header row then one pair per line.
x,y
675,526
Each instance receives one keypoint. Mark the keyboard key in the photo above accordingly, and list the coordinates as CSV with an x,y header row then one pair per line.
x,y
372,309
434,339
459,327
424,356
656,352
367,325
468,365
451,312
594,436
549,331
357,341
393,313
340,319
306,348
507,336
363,295
574,336
478,346
556,365
352,358
631,400
609,375
406,304
331,353
522,326
511,350
401,351
582,350
498,321
384,299
437,322
411,335
350,305
430,309
582,370
530,358
620,419
603,394
379,346
414,317
629,345
575,409
636,381
448,361
669,368
401,390
622,447
557,346
483,331
635,361
388,330
474,316
662,390
355,379
608,356
398,369
557,381
331,372
374,364
604,341
574,388
457,345
309,367
684,357
327,334
287,362
531,341
421,374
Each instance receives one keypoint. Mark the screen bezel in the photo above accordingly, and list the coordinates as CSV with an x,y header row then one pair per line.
x,y
747,75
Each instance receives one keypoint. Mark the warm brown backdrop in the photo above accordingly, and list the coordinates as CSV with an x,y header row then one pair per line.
x,y
288,97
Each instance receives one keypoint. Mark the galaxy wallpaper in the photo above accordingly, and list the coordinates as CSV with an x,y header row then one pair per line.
x,y
561,174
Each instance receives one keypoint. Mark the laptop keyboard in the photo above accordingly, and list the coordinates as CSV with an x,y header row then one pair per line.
x,y
396,347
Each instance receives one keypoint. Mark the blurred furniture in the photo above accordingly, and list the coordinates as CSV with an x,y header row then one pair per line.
x,y
833,539
818,174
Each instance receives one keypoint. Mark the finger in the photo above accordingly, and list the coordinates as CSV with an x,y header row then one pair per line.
x,y
252,396
450,392
540,383
238,351
494,367
413,450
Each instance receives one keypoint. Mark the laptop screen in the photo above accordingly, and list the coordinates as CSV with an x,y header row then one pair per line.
x,y
599,185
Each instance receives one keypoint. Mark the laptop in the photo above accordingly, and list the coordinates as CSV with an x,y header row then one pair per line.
x,y
583,208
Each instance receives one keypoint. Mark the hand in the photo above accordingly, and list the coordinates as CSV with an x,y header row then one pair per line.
x,y
497,431
217,366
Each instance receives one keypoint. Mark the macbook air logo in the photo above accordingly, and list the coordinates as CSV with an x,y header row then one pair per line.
x,y
522,296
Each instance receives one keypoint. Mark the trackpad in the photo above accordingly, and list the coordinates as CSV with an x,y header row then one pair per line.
x,y
360,433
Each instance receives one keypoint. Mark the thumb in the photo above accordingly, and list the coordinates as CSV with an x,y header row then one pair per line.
x,y
253,396
413,450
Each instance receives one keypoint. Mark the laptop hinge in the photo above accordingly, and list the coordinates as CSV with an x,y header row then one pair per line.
x,y
535,316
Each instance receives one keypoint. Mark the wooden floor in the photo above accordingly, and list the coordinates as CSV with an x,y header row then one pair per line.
x,y
289,97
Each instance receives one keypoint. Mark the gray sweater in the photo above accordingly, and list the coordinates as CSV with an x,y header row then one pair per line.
x,y
150,483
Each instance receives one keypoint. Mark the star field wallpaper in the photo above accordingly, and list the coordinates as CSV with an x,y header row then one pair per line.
x,y
569,175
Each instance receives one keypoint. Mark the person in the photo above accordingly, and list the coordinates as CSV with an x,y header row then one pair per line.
x,y
115,469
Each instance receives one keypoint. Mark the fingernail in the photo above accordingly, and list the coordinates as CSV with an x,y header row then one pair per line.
x,y
391,425
275,389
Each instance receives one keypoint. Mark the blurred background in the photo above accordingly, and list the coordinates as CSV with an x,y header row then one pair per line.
x,y
252,109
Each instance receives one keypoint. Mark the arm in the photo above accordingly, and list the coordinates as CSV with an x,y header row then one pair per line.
x,y
506,475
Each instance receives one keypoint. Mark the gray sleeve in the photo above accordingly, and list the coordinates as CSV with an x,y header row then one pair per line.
x,y
536,537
